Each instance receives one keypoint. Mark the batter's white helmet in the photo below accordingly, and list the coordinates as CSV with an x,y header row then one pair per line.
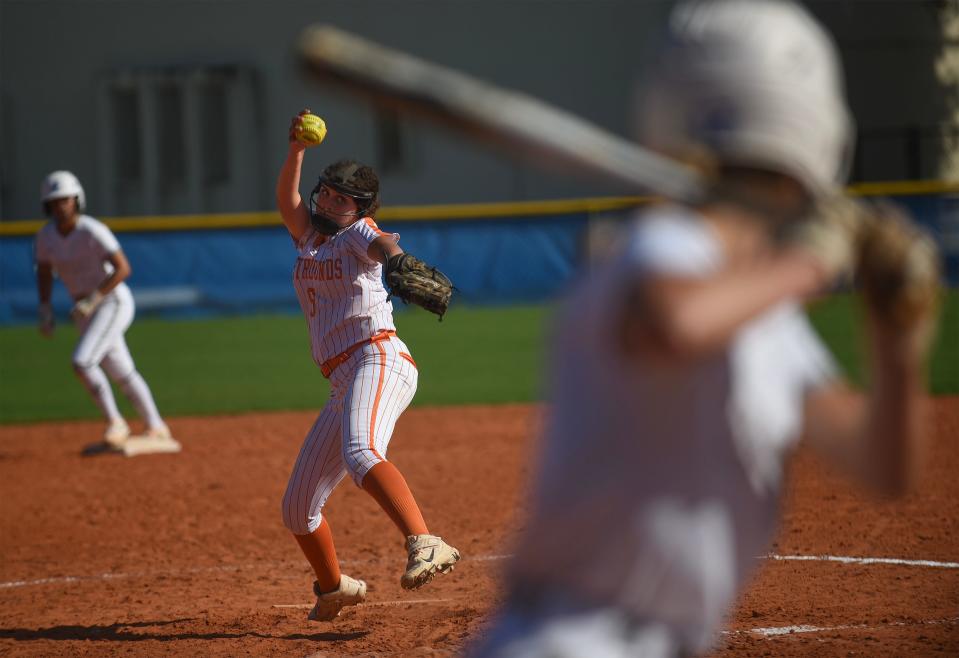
x,y
62,185
754,83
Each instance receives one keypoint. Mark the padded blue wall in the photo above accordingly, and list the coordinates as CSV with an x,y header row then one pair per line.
x,y
248,269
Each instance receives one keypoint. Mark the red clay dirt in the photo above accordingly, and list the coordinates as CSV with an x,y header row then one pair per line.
x,y
185,555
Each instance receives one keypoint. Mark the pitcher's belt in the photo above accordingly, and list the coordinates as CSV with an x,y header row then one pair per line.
x,y
330,365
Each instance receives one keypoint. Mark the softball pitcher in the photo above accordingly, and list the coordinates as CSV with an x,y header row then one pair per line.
x,y
684,369
86,256
341,254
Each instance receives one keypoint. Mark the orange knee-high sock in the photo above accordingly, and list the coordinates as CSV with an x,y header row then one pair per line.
x,y
388,487
321,554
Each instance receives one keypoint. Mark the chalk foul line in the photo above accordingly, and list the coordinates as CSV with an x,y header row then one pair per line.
x,y
365,604
60,580
117,575
778,631
866,560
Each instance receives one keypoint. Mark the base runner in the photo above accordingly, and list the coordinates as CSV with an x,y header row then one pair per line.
x,y
87,257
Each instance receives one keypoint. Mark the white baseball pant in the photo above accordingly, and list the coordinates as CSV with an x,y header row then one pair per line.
x,y
368,392
102,343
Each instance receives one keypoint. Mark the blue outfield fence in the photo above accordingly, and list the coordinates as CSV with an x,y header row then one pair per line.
x,y
515,253
250,269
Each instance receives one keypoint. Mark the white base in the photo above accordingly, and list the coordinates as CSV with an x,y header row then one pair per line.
x,y
148,445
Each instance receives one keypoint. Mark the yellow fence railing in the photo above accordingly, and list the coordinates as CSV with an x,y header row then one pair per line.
x,y
450,212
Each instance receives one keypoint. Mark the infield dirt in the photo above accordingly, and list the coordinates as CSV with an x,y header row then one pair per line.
x,y
185,554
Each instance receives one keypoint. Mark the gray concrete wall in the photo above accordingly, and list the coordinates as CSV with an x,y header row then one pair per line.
x,y
579,54
889,50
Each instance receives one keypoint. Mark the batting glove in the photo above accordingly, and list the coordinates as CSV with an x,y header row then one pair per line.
x,y
86,306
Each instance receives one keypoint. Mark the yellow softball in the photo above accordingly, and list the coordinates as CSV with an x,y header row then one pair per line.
x,y
311,131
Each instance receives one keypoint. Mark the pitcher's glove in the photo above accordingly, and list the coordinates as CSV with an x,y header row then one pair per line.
x,y
415,282
898,269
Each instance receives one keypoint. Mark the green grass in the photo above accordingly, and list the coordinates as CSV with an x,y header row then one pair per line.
x,y
251,363
238,364
838,320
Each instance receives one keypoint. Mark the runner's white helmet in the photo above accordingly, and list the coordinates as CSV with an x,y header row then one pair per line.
x,y
754,83
62,185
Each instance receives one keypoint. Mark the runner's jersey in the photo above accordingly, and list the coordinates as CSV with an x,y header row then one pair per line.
x,y
79,258
340,288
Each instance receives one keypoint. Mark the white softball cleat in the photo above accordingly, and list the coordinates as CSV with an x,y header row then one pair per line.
x,y
349,592
158,432
116,434
429,555
156,440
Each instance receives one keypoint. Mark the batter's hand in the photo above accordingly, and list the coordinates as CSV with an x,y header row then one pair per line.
x,y
899,272
86,306
831,234
45,320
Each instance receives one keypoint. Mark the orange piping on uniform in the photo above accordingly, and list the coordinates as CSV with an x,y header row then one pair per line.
x,y
369,222
408,358
328,366
376,400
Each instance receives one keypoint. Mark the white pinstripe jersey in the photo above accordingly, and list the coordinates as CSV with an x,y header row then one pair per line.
x,y
340,288
79,258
